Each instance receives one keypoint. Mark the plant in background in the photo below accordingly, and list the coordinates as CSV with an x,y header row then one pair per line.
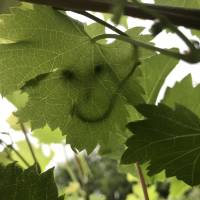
x,y
66,80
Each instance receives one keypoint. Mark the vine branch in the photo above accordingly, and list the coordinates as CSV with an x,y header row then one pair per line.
x,y
29,143
189,18
142,180
104,23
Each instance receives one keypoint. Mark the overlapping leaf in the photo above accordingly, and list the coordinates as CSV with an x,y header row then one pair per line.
x,y
170,139
16,184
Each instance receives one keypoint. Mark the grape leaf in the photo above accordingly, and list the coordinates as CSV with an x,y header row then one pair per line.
x,y
71,77
89,81
169,139
16,184
185,94
55,54
39,40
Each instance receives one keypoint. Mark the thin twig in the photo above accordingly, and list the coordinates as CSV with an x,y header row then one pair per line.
x,y
29,143
179,16
20,156
142,181
104,23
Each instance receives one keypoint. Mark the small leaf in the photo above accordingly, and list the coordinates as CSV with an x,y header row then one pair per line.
x,y
94,29
47,136
184,93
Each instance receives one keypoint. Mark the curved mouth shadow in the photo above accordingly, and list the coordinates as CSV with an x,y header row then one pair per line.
x,y
80,115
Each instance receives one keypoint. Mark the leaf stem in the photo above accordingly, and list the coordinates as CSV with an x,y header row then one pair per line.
x,y
29,143
186,57
142,181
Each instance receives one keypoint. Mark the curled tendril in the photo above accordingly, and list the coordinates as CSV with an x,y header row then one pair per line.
x,y
113,98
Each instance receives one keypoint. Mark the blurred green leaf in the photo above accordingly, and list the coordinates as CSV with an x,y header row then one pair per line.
x,y
47,136
177,188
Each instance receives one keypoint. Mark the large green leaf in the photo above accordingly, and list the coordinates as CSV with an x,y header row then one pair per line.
x,y
82,76
79,75
169,138
16,184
